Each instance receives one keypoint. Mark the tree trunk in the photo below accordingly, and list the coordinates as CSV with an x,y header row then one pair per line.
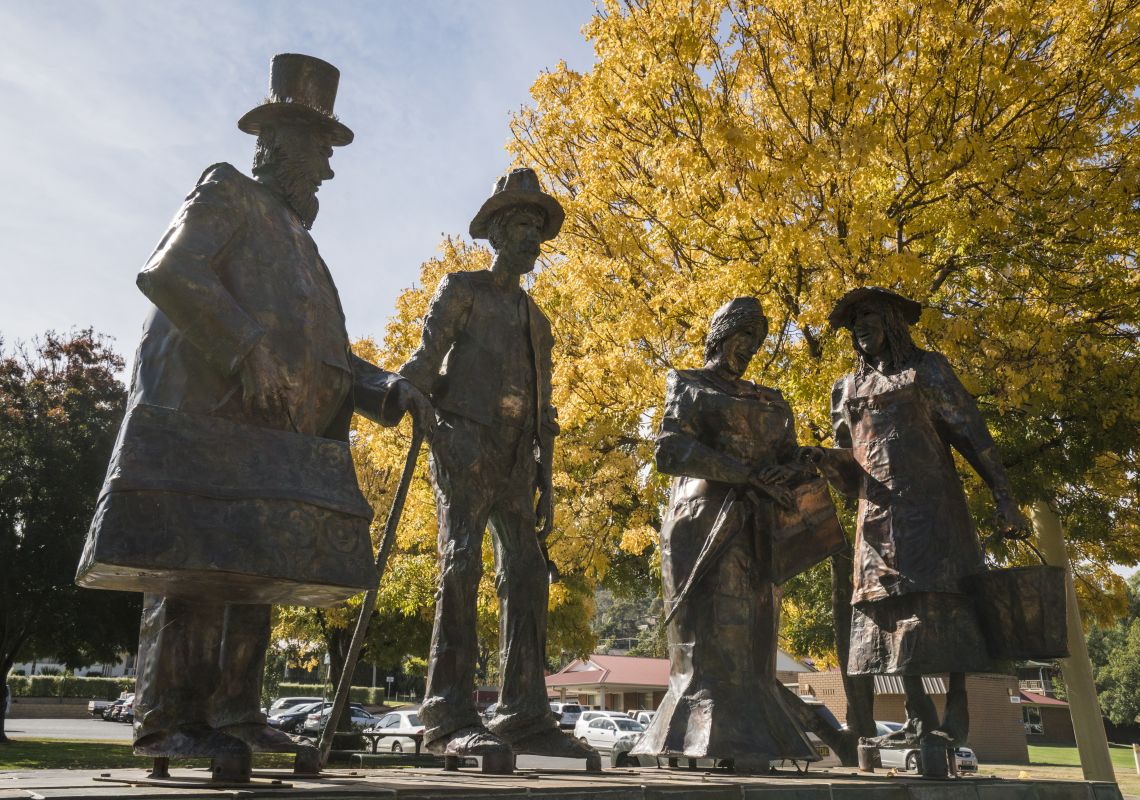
x,y
860,689
5,668
338,640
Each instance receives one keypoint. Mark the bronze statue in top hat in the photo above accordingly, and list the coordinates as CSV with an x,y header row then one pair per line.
x,y
231,486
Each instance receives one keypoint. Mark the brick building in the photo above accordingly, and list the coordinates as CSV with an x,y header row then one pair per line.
x,y
997,730
1047,719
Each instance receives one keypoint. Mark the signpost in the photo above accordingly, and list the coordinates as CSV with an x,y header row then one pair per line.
x,y
390,679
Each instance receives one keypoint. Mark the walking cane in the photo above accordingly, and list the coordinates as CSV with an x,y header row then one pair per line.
x,y
366,609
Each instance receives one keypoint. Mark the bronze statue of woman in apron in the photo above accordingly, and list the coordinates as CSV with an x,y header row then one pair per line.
x,y
731,445
896,418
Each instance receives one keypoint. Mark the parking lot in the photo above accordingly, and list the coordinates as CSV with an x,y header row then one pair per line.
x,y
80,729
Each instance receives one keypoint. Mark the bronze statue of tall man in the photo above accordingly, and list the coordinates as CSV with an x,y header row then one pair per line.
x,y
231,485
485,362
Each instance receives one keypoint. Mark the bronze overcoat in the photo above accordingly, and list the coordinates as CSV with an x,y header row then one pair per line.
x,y
723,700
197,482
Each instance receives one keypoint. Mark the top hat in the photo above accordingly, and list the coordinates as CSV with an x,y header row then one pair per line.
x,y
302,90
841,315
519,187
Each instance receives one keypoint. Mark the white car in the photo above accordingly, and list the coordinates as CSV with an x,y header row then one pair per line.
x,y
567,713
587,716
602,733
404,723
906,758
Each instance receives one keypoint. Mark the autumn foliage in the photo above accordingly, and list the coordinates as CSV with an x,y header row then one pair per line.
x,y
980,157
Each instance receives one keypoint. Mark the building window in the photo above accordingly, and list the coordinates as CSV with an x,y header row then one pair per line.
x,y
1031,716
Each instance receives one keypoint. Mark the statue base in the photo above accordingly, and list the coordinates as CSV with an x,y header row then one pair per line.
x,y
644,783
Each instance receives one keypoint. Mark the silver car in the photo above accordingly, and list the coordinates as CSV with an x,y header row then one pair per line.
x,y
567,713
906,757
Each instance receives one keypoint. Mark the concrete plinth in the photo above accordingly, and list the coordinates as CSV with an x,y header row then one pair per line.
x,y
613,784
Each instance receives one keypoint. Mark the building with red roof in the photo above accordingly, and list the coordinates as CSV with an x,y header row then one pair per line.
x,y
625,683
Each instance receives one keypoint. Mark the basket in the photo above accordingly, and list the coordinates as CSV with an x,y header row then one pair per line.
x,y
807,533
1022,612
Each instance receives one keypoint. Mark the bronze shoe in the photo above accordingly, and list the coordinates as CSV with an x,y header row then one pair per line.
x,y
556,744
474,740
191,741
263,739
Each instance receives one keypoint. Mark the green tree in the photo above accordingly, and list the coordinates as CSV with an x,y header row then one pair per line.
x,y
1115,654
60,409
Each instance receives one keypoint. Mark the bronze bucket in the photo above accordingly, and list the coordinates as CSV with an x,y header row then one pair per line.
x,y
1022,611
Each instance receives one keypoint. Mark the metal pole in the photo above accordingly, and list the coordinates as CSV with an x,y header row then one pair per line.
x,y
369,604
1092,744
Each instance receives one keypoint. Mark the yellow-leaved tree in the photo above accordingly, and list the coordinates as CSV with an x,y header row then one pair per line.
x,y
980,157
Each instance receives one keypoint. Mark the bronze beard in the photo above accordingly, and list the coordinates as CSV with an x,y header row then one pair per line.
x,y
276,159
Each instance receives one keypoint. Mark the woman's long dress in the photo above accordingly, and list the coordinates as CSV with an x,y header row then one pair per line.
x,y
723,700
915,541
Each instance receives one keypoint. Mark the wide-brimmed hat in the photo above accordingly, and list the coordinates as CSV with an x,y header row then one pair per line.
x,y
840,316
519,187
302,90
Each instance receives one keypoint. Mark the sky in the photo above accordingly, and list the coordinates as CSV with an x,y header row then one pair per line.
x,y
112,110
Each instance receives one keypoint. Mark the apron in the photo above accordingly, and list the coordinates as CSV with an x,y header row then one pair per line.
x,y
915,533
914,545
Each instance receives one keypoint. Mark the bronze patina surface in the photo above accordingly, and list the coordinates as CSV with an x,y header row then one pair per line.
x,y
897,418
740,494
485,362
231,485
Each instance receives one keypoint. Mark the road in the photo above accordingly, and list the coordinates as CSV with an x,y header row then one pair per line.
x,y
120,732
67,729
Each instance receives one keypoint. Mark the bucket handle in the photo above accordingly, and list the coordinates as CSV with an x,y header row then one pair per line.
x,y
996,537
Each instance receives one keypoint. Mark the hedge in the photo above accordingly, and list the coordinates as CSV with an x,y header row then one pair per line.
x,y
111,688
69,686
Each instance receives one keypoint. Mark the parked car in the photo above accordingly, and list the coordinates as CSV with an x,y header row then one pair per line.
x,y
127,710
111,710
96,707
116,710
281,704
315,720
906,757
290,719
602,733
644,717
567,713
586,716
405,721
490,711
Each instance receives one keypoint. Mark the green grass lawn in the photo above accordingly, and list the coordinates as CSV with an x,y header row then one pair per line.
x,y
26,754
1060,755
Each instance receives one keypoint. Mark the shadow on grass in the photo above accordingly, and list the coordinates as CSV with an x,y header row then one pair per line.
x,y
30,754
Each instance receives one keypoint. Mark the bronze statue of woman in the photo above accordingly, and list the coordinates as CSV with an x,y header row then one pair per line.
x,y
896,418
731,445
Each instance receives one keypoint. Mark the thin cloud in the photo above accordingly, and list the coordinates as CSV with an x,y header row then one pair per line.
x,y
112,111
